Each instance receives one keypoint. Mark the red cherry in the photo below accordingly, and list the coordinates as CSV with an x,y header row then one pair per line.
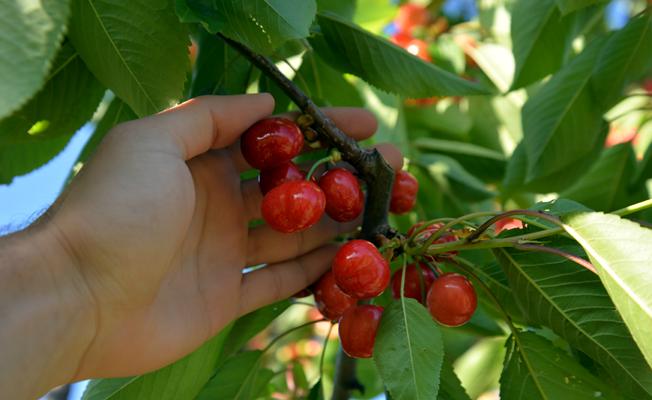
x,y
344,198
270,142
410,16
358,328
404,192
413,282
293,206
419,48
451,299
331,301
272,177
360,270
401,39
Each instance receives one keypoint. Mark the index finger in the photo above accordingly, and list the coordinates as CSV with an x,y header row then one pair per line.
x,y
209,122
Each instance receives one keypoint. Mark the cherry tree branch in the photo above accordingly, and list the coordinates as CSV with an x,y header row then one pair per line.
x,y
371,166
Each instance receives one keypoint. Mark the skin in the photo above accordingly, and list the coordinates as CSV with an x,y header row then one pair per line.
x,y
139,261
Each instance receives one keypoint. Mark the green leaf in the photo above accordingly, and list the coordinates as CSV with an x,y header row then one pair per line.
x,y
31,33
539,36
460,181
249,325
568,6
450,386
480,161
21,158
445,118
605,186
644,167
219,69
571,301
262,25
626,56
116,113
43,127
67,101
561,122
316,392
325,85
492,275
179,381
138,49
373,15
479,367
621,251
555,181
343,8
408,351
351,49
560,207
240,377
536,369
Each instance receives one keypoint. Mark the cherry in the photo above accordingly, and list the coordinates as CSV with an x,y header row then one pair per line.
x,y
358,328
401,39
272,177
331,301
293,206
270,142
410,16
404,192
413,283
344,198
451,299
419,48
360,270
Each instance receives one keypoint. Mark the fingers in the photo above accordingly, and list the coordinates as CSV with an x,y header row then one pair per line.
x,y
280,281
358,123
209,122
265,245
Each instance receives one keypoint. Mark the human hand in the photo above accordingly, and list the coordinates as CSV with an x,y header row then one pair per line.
x,y
157,226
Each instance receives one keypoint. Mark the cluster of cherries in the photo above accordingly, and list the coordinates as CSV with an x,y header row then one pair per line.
x,y
294,201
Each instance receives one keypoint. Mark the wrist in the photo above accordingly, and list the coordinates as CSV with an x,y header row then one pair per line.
x,y
48,312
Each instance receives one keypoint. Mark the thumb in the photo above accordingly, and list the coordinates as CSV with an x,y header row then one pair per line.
x,y
210,122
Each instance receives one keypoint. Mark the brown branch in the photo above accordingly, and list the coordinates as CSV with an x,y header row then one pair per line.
x,y
372,168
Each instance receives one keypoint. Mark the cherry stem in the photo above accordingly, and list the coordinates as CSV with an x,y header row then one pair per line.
x,y
437,234
321,359
316,165
571,257
538,214
296,328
